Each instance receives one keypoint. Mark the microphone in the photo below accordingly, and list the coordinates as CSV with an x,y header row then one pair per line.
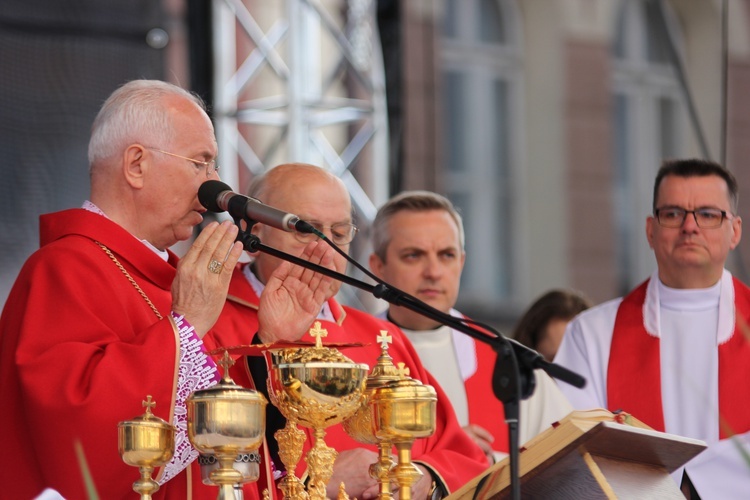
x,y
219,197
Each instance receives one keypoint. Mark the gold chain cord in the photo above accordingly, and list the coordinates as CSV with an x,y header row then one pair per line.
x,y
130,278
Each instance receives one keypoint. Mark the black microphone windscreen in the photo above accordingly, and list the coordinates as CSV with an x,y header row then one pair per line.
x,y
209,192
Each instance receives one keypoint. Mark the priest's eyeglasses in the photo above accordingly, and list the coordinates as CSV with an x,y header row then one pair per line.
x,y
210,166
341,234
705,218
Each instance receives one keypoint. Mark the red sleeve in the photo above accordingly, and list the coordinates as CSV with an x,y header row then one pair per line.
x,y
79,356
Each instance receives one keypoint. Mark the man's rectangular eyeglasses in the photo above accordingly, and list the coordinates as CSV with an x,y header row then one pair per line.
x,y
341,234
210,166
705,218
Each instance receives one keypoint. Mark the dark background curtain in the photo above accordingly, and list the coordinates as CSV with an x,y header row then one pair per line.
x,y
60,60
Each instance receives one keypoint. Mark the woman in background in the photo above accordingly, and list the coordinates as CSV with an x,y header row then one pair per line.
x,y
543,324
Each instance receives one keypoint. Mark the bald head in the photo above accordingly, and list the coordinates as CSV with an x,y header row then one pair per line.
x,y
313,194
289,178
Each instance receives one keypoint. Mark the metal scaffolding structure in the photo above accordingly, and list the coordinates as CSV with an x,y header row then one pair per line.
x,y
303,81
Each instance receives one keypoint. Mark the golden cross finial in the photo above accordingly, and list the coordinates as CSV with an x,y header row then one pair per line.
x,y
318,332
148,404
226,362
403,370
384,339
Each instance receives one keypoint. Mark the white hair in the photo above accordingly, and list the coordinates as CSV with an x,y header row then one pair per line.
x,y
134,113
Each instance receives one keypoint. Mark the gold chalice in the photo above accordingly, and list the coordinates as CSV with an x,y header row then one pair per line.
x,y
316,387
361,425
403,411
146,442
399,410
225,421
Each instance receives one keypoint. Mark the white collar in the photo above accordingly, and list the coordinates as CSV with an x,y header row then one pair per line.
x,y
721,295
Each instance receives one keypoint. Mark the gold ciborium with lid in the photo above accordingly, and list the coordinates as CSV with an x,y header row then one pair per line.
x,y
361,426
399,409
146,442
225,421
315,387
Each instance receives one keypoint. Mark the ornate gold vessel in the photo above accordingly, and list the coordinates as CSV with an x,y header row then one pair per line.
x,y
225,421
316,387
398,410
146,442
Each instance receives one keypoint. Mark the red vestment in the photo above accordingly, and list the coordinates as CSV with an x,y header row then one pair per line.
x,y
80,348
485,410
633,373
449,452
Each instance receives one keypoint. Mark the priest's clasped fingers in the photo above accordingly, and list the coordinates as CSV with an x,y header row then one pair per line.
x,y
203,275
294,296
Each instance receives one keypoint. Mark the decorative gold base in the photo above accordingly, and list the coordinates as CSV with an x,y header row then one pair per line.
x,y
381,470
290,440
146,486
320,461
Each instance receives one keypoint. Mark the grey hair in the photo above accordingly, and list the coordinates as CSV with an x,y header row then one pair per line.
x,y
135,112
412,201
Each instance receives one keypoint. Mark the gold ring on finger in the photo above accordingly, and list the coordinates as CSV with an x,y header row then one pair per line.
x,y
215,266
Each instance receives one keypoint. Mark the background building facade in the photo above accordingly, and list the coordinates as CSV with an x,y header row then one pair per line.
x,y
551,121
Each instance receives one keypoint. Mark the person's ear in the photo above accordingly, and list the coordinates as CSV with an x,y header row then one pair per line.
x,y
376,265
135,164
736,231
650,228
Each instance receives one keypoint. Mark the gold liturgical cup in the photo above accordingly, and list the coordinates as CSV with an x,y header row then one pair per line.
x,y
226,421
402,412
316,387
145,442
361,425
399,410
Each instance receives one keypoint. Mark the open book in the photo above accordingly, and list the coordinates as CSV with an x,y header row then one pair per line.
x,y
590,454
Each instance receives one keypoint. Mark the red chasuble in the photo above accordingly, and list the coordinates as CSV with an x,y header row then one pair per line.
x,y
449,452
80,348
634,377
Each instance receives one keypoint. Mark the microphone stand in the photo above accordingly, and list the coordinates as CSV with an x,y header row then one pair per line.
x,y
513,376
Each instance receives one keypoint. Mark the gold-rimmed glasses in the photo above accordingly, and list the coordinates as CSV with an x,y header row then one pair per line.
x,y
210,165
